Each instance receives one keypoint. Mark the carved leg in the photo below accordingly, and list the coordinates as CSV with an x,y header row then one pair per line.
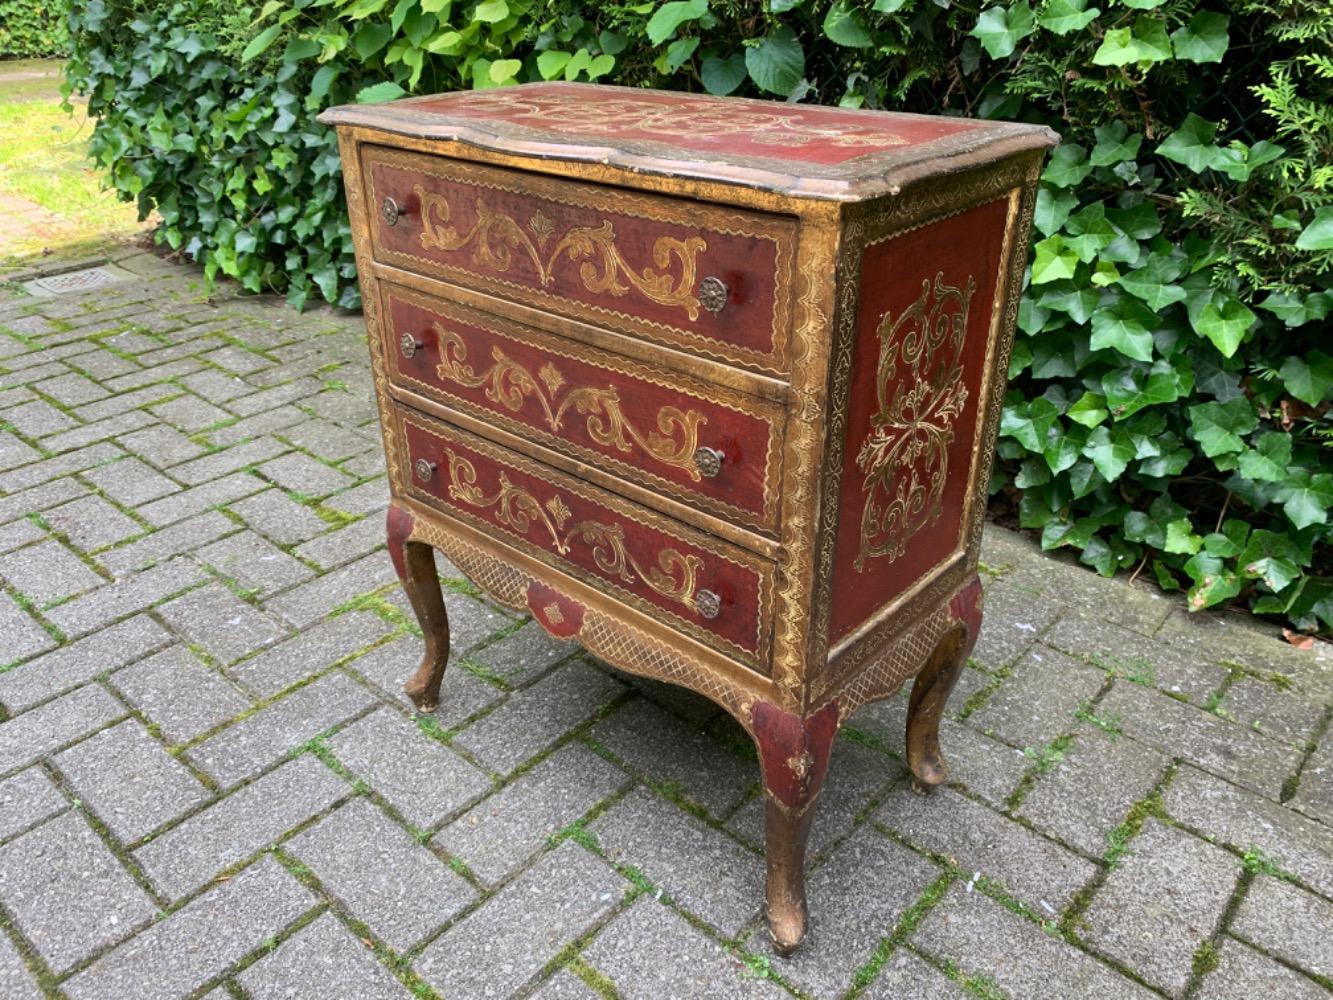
x,y
415,564
794,756
932,687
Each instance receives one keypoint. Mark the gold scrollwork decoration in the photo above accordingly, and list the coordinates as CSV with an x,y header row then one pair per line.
x,y
675,576
495,238
510,384
906,456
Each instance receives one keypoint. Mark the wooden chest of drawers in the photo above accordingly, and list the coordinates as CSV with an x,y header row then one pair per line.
x,y
710,385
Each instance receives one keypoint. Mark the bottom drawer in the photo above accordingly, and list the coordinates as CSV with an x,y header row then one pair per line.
x,y
707,588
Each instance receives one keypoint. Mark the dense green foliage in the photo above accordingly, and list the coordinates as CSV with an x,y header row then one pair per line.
x,y
1172,377
32,28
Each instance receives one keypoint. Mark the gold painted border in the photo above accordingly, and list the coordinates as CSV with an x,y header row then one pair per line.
x,y
653,208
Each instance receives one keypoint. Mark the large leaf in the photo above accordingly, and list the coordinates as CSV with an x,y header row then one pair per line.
x,y
1053,261
722,76
1318,235
1110,450
1126,327
1218,426
1144,43
670,16
777,63
1204,39
843,26
1225,323
1267,461
1308,378
386,91
1306,497
1192,144
1060,17
1000,29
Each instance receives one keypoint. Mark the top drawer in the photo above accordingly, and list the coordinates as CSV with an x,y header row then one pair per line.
x,y
711,280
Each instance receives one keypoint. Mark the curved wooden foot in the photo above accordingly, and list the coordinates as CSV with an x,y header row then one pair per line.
x,y
793,755
415,565
932,687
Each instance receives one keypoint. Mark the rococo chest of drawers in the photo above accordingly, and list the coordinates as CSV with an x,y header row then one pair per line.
x,y
710,385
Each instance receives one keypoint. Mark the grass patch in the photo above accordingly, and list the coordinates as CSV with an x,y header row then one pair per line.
x,y
1107,722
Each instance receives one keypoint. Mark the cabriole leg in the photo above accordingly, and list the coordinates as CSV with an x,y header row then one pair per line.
x,y
415,565
793,755
932,687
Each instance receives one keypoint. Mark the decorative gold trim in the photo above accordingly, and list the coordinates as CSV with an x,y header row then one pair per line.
x,y
905,457
516,507
775,229
579,244
509,384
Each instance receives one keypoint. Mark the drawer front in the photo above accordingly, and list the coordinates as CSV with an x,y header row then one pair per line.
x,y
706,588
711,280
706,445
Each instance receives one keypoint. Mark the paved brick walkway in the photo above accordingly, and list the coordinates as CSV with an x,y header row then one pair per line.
x,y
210,784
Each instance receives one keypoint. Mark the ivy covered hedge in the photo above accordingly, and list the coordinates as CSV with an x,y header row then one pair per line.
x,y
30,28
1170,407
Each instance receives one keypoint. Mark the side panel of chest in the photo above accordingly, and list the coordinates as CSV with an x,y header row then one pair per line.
x,y
926,322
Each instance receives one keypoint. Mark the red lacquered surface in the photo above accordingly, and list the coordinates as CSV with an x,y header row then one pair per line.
x,y
617,414
936,400
590,252
581,529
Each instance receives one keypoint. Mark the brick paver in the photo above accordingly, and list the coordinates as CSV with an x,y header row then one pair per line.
x,y
211,784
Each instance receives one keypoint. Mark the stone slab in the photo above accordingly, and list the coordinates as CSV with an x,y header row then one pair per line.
x,y
34,734
178,693
323,959
1243,972
1289,923
27,799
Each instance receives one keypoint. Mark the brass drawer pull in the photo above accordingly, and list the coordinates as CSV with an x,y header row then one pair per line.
x,y
391,211
708,604
713,294
708,461
409,345
425,469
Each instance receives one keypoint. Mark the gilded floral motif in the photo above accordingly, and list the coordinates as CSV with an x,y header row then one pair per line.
x,y
495,237
906,456
674,576
511,385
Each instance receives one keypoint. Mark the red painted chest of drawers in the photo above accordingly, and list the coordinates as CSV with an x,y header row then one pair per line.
x,y
710,385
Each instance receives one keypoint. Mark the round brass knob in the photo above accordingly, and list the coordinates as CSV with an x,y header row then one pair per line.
x,y
708,604
409,345
391,212
425,469
708,461
713,294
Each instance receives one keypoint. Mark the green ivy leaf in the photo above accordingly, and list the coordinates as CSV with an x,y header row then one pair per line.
x,y
1306,497
1218,426
1204,39
1318,235
1060,17
1089,409
1267,461
1053,261
1129,390
888,6
1213,582
1192,144
777,63
1068,166
1225,324
1271,557
1145,43
386,91
670,16
1000,29
1152,282
261,42
1308,378
1126,327
491,11
1110,450
722,76
1115,143
843,26
1052,209
1181,539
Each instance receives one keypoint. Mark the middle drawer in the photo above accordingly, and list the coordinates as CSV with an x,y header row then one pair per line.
x,y
707,445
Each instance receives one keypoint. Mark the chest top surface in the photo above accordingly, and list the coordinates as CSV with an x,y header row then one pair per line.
x,y
794,148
